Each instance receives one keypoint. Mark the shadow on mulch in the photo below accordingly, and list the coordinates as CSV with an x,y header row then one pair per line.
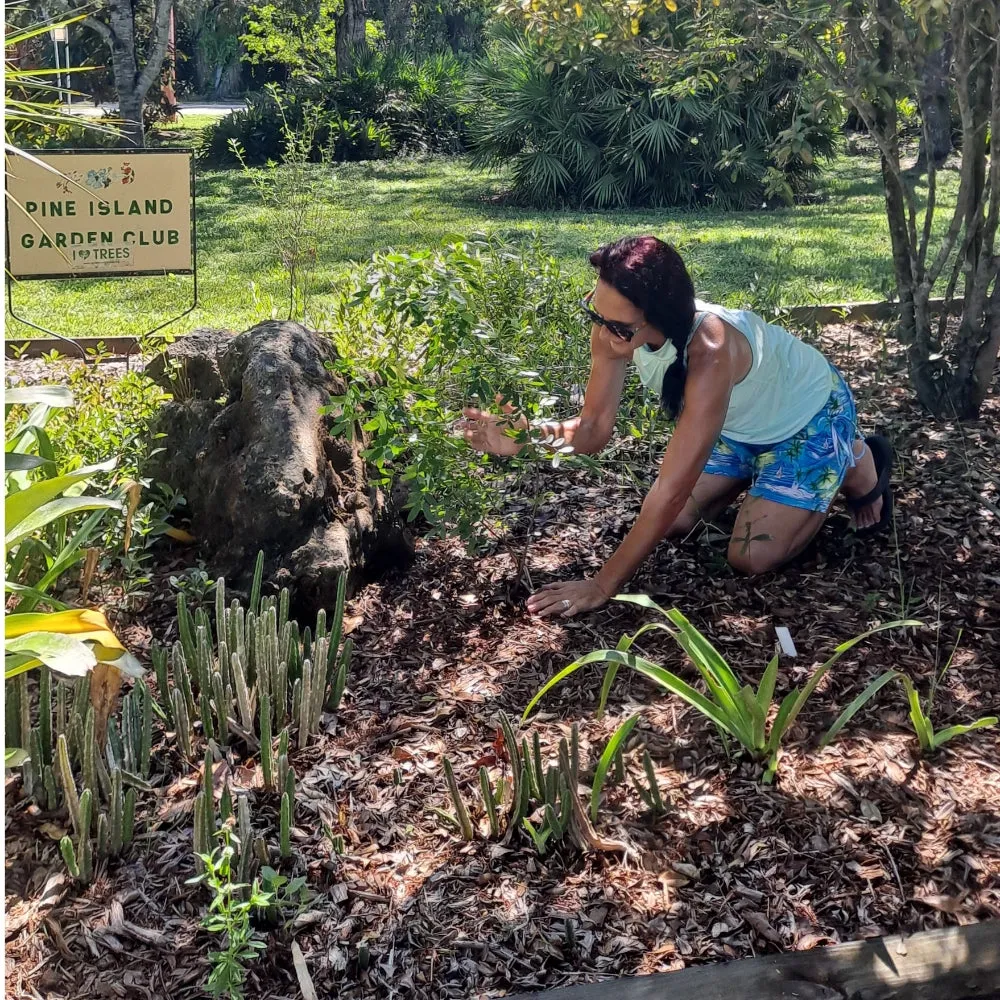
x,y
861,839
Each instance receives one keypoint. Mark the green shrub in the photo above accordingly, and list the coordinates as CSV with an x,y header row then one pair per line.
x,y
602,130
444,328
388,104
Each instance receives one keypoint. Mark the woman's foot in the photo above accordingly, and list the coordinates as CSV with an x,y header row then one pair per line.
x,y
859,482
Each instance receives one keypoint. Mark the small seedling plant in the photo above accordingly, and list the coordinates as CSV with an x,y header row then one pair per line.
x,y
229,914
919,711
738,711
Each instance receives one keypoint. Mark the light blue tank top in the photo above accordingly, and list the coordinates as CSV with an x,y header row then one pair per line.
x,y
787,384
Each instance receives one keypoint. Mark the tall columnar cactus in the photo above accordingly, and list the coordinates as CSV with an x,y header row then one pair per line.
x,y
159,656
45,715
80,860
208,790
90,756
12,714
182,721
24,710
266,749
251,848
65,757
245,834
137,730
281,771
286,825
128,817
68,783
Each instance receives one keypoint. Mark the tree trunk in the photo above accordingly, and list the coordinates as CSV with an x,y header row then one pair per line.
x,y
886,126
398,22
131,84
979,331
350,30
935,106
126,71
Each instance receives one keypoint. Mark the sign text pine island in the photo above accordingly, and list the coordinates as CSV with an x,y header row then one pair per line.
x,y
138,220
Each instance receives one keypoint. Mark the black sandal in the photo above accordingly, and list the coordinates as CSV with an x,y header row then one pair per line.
x,y
883,456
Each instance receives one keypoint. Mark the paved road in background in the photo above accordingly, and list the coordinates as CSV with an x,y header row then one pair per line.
x,y
92,111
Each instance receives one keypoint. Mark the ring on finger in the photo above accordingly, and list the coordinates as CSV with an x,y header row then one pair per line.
x,y
566,603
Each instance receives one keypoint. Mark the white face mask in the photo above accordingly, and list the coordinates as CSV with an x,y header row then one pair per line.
x,y
653,365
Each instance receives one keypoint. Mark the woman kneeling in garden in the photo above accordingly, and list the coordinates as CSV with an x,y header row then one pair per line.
x,y
755,408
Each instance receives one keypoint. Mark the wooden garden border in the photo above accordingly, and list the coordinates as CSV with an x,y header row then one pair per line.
x,y
119,347
956,963
113,347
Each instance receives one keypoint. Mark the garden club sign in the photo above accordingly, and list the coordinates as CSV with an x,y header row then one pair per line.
x,y
100,213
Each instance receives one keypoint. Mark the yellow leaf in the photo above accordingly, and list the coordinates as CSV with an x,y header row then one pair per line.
x,y
134,495
84,624
635,26
67,622
179,535
578,7
671,5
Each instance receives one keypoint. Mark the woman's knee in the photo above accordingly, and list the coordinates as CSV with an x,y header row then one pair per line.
x,y
753,559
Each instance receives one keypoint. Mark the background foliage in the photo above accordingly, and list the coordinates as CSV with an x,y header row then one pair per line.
x,y
730,125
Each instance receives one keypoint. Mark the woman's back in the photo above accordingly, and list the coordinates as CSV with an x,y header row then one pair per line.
x,y
787,383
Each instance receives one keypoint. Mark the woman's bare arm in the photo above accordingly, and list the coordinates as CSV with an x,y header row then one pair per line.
x,y
587,433
706,398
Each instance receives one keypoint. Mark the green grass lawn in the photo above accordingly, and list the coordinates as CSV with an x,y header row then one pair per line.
x,y
834,250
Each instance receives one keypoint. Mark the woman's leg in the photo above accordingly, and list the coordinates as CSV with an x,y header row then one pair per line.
x,y
711,495
860,480
768,534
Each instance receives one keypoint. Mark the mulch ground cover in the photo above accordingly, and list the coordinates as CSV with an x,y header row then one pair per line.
x,y
862,839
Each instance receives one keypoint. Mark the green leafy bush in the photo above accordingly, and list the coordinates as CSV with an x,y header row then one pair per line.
x,y
444,328
260,130
714,126
388,104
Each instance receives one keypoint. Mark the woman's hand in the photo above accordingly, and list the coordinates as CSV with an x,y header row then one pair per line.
x,y
490,433
567,599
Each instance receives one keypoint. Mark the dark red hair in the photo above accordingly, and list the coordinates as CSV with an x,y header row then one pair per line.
x,y
652,276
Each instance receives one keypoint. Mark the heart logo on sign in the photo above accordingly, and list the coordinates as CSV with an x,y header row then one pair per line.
x,y
83,254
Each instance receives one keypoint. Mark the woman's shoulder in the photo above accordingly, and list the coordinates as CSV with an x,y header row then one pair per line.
x,y
710,337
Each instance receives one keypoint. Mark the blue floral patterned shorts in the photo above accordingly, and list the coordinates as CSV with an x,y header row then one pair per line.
x,y
807,469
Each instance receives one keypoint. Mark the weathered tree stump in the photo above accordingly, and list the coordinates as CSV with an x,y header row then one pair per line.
x,y
244,441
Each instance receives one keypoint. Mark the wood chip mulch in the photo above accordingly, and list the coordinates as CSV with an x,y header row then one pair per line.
x,y
862,839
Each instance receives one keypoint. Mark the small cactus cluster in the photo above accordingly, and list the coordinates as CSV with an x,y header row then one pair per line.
x,y
252,849
97,786
548,794
103,813
255,674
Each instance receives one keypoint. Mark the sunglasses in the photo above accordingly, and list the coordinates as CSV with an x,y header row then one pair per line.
x,y
623,331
